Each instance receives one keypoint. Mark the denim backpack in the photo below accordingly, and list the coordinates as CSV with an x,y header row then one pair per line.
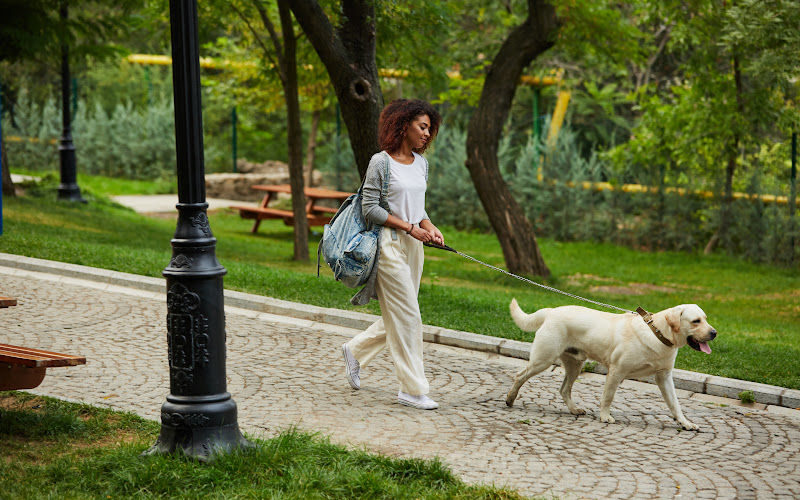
x,y
349,243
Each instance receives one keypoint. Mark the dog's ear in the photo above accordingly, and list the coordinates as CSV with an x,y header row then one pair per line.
x,y
673,318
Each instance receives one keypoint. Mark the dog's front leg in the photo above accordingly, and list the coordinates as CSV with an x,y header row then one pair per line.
x,y
613,379
667,387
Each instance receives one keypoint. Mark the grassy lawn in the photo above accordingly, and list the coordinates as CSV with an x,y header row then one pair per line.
x,y
54,449
754,307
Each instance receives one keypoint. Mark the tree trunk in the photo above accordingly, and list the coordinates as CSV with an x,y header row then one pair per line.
x,y
514,231
348,53
7,183
294,132
722,234
311,148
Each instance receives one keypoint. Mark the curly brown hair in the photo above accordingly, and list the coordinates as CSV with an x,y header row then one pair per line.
x,y
397,116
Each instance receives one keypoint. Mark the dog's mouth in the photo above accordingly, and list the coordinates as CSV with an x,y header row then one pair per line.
x,y
698,346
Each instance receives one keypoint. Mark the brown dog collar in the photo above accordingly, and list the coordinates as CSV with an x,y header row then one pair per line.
x,y
648,318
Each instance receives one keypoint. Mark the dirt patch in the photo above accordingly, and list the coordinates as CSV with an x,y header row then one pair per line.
x,y
579,279
12,402
632,289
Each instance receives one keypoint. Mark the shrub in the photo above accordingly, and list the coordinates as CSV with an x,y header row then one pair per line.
x,y
747,397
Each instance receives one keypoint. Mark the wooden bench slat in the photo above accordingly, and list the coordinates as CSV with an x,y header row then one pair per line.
x,y
286,215
7,301
252,212
38,358
320,208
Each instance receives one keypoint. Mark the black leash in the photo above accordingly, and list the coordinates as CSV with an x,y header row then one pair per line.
x,y
550,288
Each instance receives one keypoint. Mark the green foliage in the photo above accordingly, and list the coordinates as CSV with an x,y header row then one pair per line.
x,y
747,397
34,29
568,206
451,198
123,143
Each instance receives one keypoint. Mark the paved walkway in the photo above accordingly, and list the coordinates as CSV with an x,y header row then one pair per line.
x,y
159,203
283,371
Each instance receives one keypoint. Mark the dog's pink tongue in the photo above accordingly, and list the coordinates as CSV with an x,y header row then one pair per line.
x,y
704,347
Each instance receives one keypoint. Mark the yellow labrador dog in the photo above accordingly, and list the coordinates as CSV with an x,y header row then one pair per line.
x,y
622,342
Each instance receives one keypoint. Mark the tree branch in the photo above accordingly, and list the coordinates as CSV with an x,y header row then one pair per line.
x,y
264,48
267,22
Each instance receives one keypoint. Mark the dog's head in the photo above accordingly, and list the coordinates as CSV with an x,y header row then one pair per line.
x,y
688,321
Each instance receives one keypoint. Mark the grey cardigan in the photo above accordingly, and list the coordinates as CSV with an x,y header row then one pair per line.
x,y
376,210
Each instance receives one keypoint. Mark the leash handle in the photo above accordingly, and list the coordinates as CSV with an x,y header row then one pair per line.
x,y
440,247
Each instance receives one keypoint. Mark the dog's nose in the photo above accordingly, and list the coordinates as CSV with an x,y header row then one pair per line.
x,y
713,333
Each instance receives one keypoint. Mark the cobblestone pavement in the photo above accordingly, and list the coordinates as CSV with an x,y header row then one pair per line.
x,y
283,372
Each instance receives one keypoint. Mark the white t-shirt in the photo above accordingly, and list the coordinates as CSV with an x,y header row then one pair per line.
x,y
407,186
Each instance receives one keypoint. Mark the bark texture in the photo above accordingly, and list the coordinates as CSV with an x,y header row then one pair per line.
x,y
348,52
285,47
294,132
7,183
514,231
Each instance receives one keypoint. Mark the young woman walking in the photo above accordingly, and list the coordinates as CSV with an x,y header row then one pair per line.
x,y
405,130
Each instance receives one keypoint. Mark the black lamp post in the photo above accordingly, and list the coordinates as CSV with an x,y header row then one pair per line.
x,y
199,416
68,190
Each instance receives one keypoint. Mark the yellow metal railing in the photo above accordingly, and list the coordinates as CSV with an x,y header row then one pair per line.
x,y
639,188
16,138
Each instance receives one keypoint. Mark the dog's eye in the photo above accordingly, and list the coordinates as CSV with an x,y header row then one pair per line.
x,y
696,322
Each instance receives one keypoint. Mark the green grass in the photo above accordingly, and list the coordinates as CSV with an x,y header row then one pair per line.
x,y
109,186
754,307
54,449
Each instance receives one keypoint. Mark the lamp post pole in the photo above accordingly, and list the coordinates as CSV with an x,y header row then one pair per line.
x,y
199,416
68,190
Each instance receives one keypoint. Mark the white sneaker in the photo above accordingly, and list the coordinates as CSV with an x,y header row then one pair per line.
x,y
351,368
422,401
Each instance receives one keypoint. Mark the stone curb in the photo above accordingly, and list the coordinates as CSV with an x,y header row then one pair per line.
x,y
687,380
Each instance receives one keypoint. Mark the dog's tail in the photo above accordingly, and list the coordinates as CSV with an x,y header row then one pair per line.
x,y
527,322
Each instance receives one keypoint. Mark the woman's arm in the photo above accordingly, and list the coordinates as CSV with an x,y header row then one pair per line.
x,y
418,232
371,192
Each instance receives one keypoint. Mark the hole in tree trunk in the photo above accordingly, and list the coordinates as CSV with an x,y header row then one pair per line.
x,y
360,89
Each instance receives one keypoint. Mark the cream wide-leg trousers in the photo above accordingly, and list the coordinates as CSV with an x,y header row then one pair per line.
x,y
400,327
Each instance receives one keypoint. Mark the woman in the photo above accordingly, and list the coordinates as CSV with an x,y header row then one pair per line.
x,y
405,130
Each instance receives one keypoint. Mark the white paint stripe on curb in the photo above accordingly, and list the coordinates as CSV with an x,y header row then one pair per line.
x,y
687,380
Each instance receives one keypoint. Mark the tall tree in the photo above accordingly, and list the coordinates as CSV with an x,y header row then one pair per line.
x,y
515,233
283,55
348,53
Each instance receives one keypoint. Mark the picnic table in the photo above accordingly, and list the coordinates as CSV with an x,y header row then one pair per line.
x,y
317,214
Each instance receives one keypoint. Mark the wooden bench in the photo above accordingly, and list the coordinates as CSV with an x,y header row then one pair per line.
x,y
24,367
7,301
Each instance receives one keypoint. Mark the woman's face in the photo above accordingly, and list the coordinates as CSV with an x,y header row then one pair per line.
x,y
418,132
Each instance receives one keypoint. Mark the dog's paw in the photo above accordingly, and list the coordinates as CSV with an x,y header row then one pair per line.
x,y
510,400
577,411
607,419
690,426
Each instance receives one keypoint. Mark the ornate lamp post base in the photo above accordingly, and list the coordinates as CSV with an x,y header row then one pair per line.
x,y
199,417
199,429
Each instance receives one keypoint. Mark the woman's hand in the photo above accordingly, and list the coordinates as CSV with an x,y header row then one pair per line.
x,y
435,234
420,234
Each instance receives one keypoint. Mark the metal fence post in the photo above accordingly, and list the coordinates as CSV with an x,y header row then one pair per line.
x,y
793,193
233,139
